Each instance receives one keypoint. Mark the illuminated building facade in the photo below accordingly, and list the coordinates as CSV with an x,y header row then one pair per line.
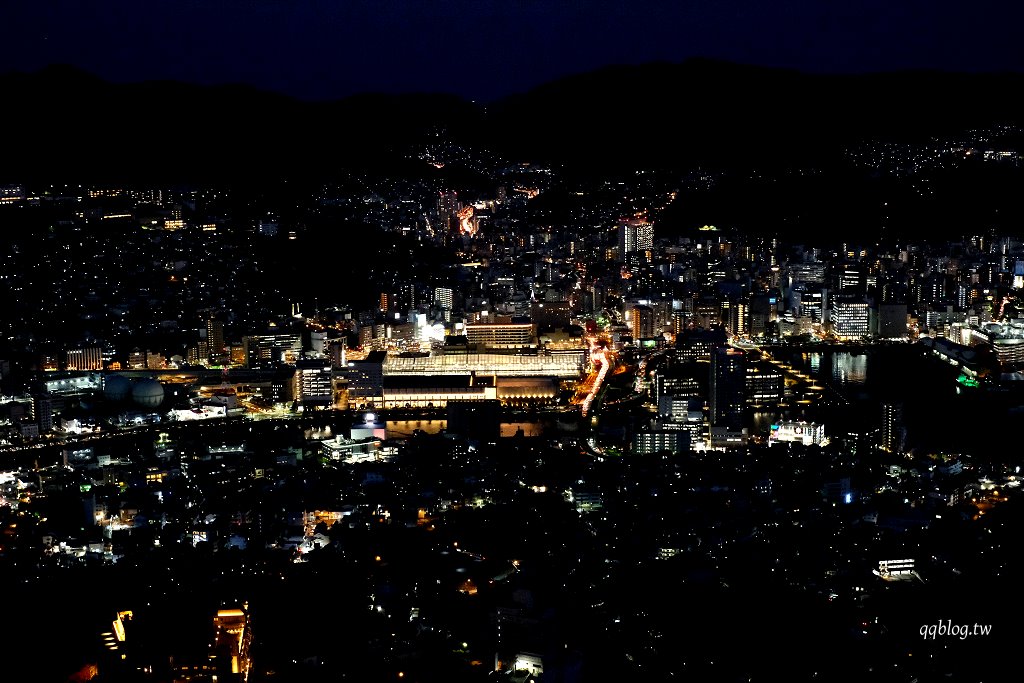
x,y
563,365
642,322
264,351
500,335
411,391
675,385
764,384
698,344
336,352
806,433
443,298
90,358
810,303
313,383
232,640
635,235
651,441
850,318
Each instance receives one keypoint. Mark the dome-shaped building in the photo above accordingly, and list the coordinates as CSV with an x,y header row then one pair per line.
x,y
116,387
148,393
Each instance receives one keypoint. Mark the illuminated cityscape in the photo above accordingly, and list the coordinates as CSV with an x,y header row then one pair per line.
x,y
470,398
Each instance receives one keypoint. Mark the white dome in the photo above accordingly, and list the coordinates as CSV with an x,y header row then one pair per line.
x,y
148,393
116,387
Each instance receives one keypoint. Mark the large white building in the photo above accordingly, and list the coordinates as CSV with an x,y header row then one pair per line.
x,y
807,433
850,319
564,365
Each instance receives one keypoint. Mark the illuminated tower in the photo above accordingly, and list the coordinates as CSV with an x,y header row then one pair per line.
x,y
893,433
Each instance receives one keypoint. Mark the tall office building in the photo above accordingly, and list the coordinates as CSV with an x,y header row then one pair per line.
x,y
728,387
313,383
810,302
850,318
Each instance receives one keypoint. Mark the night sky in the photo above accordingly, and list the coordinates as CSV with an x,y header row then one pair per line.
x,y
483,49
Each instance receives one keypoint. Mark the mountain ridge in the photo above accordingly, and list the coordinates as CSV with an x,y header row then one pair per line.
x,y
699,112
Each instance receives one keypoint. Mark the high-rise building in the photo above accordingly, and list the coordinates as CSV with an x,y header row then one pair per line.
x,y
893,433
215,339
675,383
443,298
728,387
448,207
734,315
635,235
642,322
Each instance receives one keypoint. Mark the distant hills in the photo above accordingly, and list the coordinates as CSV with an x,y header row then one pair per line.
x,y
63,124
710,112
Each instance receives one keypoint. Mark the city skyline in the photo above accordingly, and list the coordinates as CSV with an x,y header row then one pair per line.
x,y
680,366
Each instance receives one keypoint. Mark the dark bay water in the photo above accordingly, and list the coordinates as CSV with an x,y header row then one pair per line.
x,y
938,414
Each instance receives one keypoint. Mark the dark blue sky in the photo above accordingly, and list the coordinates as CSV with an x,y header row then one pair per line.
x,y
321,49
